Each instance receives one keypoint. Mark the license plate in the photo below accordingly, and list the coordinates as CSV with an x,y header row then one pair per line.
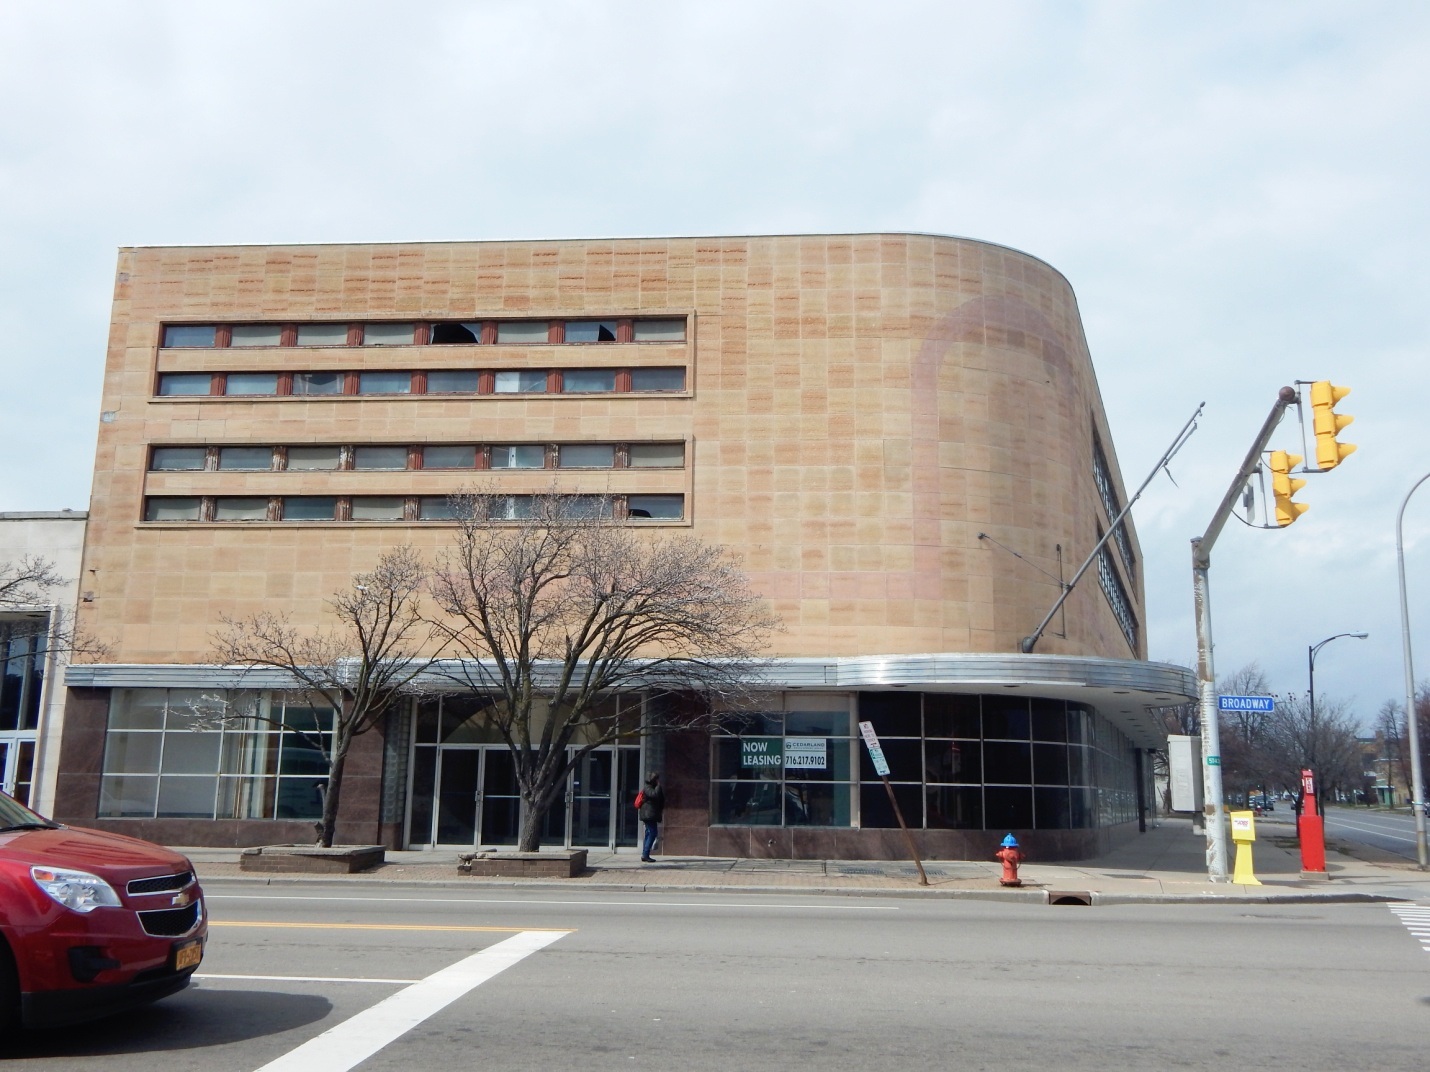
x,y
188,955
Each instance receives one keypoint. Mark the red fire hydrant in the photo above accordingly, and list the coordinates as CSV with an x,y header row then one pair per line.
x,y
1011,857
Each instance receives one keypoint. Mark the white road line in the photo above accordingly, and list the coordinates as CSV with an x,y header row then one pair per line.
x,y
306,979
1416,919
1377,831
532,901
359,1037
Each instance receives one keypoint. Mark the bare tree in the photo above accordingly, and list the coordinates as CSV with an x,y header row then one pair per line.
x,y
557,612
29,587
1326,743
1243,733
359,669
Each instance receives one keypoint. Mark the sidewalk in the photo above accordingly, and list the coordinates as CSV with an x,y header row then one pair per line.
x,y
1165,865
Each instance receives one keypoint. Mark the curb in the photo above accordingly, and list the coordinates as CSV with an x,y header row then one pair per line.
x,y
1016,896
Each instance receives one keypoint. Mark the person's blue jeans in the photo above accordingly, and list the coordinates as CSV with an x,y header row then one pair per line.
x,y
651,830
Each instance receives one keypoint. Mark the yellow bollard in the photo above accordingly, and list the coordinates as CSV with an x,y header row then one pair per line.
x,y
1243,833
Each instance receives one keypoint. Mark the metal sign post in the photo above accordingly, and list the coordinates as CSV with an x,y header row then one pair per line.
x,y
881,768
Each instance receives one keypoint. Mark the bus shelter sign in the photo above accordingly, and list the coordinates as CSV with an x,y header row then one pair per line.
x,y
793,753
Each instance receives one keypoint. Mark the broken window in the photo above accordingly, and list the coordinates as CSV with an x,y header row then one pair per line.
x,y
524,382
590,331
318,383
457,333
656,507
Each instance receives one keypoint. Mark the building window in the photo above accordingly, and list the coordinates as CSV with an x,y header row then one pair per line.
x,y
790,768
251,459
590,331
187,754
525,381
256,335
523,332
586,456
509,507
378,507
307,459
318,383
463,333
588,381
655,507
173,459
656,455
660,330
322,334
189,335
184,383
172,508
1111,504
449,457
23,644
438,508
236,508
251,383
383,457
388,334
458,381
657,379
1117,599
518,456
310,508
384,383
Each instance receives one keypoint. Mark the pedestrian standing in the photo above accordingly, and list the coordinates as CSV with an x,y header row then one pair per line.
x,y
652,811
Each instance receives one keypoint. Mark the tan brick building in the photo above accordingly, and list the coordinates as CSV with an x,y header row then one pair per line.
x,y
901,434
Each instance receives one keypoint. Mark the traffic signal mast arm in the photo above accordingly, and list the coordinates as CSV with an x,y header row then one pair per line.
x,y
1206,671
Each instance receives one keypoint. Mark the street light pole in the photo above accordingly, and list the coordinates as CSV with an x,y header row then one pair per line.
x,y
1417,777
1311,674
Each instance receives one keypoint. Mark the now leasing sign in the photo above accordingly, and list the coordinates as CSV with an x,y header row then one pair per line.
x,y
802,753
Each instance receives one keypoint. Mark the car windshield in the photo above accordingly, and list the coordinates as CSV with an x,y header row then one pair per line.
x,y
15,816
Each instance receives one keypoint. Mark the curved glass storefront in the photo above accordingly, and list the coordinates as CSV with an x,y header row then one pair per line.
x,y
956,762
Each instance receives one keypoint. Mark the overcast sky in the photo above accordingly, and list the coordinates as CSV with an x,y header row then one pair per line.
x,y
1236,191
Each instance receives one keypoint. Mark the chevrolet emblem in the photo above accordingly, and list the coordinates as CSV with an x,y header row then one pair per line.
x,y
180,899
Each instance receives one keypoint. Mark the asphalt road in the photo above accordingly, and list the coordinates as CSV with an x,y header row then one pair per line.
x,y
322,979
1390,831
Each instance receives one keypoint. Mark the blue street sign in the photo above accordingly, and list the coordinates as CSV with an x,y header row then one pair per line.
x,y
1259,704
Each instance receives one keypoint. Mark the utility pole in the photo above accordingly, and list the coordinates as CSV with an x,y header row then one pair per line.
x,y
1214,809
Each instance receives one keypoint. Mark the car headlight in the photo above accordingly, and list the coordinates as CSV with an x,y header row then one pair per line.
x,y
78,891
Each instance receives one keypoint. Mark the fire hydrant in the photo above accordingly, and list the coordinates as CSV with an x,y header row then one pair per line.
x,y
1011,857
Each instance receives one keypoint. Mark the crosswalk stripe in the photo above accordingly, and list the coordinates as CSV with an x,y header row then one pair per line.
x,y
1417,921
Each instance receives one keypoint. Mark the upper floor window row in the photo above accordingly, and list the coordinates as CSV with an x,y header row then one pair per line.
x,y
641,380
426,333
399,508
312,458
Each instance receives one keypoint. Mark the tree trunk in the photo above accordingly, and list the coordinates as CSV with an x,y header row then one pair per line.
x,y
332,795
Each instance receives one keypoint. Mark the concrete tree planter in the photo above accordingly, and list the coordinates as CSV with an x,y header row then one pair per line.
x,y
312,859
564,864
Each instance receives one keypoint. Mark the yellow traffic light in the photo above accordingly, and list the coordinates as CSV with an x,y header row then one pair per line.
x,y
1284,485
1328,424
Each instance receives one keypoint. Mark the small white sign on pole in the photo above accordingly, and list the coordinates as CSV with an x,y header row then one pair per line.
x,y
876,754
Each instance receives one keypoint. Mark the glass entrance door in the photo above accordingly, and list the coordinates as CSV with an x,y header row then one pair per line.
x,y
591,799
476,793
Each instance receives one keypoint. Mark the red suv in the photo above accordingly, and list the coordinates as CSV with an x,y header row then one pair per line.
x,y
92,923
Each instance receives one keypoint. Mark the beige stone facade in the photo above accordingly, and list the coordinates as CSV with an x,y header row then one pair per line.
x,y
900,434
858,409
